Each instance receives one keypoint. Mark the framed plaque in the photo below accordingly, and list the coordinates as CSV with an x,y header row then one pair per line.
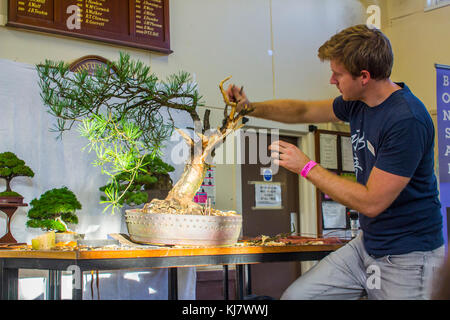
x,y
140,24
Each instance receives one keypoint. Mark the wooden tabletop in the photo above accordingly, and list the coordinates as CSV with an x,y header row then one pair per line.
x,y
121,253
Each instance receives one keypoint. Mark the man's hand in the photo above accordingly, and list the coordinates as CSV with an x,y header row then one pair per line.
x,y
236,94
288,156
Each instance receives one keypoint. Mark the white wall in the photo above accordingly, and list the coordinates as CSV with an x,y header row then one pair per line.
x,y
213,39
420,38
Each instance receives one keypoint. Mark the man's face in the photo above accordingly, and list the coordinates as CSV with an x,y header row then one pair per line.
x,y
349,87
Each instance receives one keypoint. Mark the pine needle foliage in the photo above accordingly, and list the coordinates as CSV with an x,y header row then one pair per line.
x,y
10,167
121,110
53,210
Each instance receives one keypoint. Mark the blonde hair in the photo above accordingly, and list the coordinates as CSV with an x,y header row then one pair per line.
x,y
360,48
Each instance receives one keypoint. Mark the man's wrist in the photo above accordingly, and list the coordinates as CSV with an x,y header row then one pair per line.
x,y
257,109
307,168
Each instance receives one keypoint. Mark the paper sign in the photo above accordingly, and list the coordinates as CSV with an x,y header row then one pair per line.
x,y
268,195
347,154
328,151
333,215
201,197
207,190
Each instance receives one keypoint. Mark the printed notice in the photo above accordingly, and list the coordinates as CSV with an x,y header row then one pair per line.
x,y
328,151
267,195
347,154
207,191
333,215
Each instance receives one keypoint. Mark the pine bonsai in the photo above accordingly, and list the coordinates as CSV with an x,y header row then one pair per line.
x,y
54,210
10,167
120,113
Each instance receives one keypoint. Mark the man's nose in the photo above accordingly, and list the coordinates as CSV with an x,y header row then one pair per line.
x,y
333,80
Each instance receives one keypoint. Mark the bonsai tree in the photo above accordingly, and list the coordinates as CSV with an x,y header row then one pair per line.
x,y
54,210
10,167
119,110
154,176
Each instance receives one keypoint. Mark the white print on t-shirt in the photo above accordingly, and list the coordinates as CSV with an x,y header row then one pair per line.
x,y
358,143
371,148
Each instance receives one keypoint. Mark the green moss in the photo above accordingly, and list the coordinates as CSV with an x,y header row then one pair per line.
x,y
9,194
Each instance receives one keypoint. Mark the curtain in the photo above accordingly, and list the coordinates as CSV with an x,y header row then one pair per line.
x,y
25,130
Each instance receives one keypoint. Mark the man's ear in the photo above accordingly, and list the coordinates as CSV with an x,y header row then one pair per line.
x,y
365,77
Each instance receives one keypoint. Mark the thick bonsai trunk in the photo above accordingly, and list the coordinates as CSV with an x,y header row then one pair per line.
x,y
189,183
180,198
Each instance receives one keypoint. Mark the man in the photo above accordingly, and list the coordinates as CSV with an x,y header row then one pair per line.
x,y
396,190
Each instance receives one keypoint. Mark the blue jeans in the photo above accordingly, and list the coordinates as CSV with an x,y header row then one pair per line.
x,y
351,273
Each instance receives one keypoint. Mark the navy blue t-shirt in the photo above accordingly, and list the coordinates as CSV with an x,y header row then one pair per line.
x,y
397,136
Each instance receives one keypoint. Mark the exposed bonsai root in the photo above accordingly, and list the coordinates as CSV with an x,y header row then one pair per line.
x,y
175,206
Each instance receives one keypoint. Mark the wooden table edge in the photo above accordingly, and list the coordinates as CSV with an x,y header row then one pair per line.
x,y
164,252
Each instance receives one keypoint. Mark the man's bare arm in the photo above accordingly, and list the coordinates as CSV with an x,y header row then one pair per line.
x,y
381,189
285,110
371,199
295,111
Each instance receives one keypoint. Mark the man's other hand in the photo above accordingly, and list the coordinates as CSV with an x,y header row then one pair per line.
x,y
288,156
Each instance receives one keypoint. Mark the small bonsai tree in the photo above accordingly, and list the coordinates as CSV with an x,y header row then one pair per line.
x,y
10,167
53,210
154,175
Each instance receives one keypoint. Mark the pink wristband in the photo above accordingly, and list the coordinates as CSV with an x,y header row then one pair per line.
x,y
307,168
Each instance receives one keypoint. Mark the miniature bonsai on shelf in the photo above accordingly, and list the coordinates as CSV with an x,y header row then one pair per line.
x,y
54,210
154,178
10,167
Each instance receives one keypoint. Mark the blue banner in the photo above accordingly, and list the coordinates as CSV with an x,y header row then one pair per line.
x,y
443,128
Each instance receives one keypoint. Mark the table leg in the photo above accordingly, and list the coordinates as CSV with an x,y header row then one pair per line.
x,y
9,283
249,279
58,281
226,295
51,285
240,282
173,284
77,285
2,275
54,285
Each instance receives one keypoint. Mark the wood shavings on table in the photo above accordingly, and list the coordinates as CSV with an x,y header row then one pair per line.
x,y
287,239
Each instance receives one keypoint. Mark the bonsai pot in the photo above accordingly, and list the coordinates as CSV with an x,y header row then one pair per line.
x,y
180,229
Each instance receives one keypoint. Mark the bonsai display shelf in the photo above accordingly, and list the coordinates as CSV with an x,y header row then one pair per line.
x,y
9,209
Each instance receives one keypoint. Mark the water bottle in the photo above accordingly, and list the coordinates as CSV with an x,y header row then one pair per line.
x,y
354,216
